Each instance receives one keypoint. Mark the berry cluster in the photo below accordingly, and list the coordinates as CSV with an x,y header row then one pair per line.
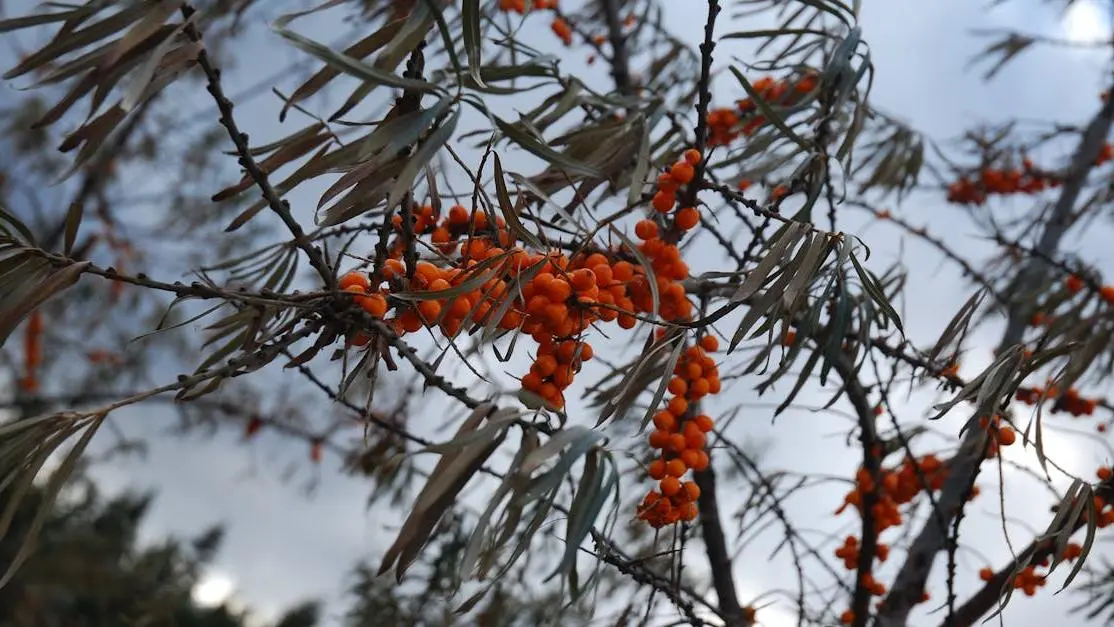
x,y
726,124
1070,401
479,273
849,552
681,438
1002,182
898,487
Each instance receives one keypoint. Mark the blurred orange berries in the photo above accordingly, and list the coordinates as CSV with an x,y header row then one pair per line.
x,y
32,352
1027,180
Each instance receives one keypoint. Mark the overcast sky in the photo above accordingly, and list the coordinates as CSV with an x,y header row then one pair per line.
x,y
920,50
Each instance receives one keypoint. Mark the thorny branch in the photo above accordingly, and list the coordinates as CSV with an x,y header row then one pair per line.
x,y
872,461
240,139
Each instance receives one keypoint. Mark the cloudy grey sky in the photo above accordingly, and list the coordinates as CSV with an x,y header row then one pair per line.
x,y
920,50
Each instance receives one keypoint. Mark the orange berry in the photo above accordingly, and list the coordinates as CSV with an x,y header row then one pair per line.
x,y
700,387
678,386
586,352
709,343
691,457
689,511
693,371
1006,436
704,423
663,202
1107,293
623,271
665,421
545,365
409,321
847,617
393,268
691,490
548,391
702,461
659,439
675,468
695,439
678,442
429,310
1073,283
687,218
693,156
563,376
682,172
1105,473
678,406
559,290
669,486
353,279
986,573
374,304
531,381
657,469
646,229
557,313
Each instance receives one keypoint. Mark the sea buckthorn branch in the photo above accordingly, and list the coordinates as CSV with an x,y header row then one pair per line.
x,y
1037,553
884,405
237,366
196,289
735,195
240,140
715,544
620,58
1075,279
704,101
613,555
868,547
915,570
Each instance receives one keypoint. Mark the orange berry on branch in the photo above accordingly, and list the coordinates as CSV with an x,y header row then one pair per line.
x,y
687,218
682,172
659,439
374,304
709,343
353,279
692,491
670,485
665,421
663,201
646,229
675,468
704,423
